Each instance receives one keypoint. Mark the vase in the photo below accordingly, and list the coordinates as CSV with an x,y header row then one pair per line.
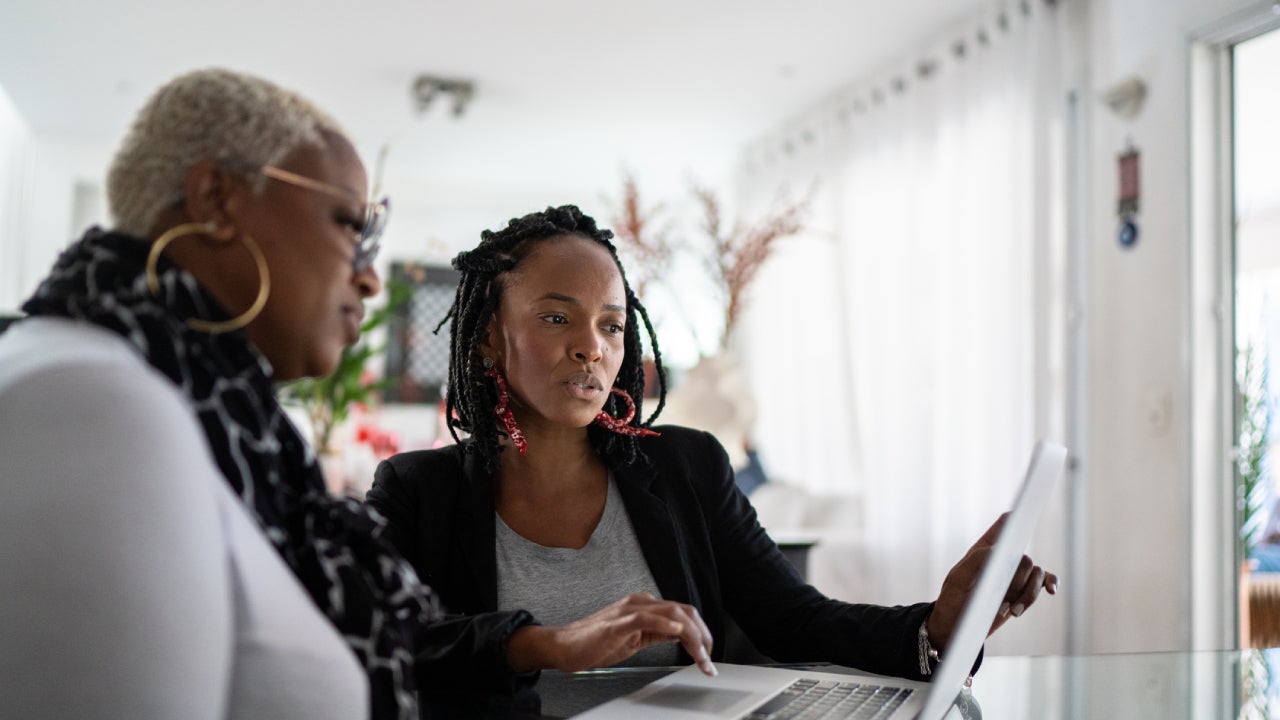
x,y
333,466
714,396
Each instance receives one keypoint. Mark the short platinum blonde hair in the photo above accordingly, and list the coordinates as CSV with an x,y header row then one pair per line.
x,y
211,114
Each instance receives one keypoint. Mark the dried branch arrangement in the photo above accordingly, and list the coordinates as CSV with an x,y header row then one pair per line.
x,y
642,236
733,256
737,253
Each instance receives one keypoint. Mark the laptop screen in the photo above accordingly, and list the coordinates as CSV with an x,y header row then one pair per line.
x,y
1047,461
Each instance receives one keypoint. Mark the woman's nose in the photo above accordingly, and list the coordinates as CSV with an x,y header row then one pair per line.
x,y
368,282
588,349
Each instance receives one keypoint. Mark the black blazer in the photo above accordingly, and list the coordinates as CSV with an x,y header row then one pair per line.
x,y
697,531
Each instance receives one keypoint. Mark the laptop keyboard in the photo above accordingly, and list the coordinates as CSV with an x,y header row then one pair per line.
x,y
808,699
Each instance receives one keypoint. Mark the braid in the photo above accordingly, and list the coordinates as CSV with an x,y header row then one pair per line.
x,y
471,395
657,361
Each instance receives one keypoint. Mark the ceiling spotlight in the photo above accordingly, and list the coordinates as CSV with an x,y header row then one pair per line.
x,y
426,88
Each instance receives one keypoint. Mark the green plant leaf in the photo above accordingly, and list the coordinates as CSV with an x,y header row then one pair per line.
x,y
327,401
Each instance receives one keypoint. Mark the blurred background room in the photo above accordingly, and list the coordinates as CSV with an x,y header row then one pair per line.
x,y
886,247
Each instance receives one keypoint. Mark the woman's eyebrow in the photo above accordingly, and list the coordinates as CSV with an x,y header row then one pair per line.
x,y
561,298
575,302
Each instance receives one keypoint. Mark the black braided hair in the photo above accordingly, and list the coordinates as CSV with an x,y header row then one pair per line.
x,y
471,395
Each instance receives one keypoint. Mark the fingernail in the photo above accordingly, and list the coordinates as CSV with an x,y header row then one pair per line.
x,y
1004,609
1053,587
1019,609
710,669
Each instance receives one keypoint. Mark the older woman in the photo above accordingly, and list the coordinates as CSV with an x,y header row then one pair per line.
x,y
166,543
567,533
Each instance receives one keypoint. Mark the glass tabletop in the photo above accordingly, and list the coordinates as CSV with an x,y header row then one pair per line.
x,y
1159,686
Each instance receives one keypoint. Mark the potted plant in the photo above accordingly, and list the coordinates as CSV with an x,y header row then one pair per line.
x,y
1254,429
328,401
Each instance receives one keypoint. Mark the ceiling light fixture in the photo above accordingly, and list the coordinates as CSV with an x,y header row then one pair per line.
x,y
426,88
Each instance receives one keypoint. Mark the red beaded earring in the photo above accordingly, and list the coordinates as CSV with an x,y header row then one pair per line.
x,y
622,425
503,409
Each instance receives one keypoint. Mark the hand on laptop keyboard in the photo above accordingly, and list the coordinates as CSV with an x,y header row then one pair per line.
x,y
612,635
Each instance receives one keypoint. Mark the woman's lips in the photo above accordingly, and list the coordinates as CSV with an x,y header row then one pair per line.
x,y
583,386
353,315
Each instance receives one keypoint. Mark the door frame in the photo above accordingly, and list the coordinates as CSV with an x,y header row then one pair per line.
x,y
1211,331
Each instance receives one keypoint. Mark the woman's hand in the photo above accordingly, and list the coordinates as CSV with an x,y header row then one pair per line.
x,y
963,578
612,635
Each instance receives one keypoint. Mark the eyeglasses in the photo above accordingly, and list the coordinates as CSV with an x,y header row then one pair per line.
x,y
369,241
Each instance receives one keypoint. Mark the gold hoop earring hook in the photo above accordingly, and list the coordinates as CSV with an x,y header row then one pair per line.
x,y
206,326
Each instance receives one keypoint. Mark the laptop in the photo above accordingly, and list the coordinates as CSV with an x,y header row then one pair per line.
x,y
748,691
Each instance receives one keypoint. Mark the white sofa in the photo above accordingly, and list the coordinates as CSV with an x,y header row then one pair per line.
x,y
838,563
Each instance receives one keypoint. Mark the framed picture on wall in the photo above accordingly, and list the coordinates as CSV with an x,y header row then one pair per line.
x,y
417,358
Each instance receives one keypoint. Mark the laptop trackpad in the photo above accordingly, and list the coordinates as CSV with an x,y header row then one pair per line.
x,y
692,697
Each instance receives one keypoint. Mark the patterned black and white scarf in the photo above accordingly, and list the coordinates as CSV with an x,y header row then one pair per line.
x,y
335,546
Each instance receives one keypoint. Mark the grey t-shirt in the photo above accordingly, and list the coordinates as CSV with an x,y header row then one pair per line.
x,y
561,585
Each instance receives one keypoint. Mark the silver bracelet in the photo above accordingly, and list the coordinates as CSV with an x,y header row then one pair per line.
x,y
928,656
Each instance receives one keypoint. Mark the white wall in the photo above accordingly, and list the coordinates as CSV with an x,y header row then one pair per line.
x,y
1137,463
39,215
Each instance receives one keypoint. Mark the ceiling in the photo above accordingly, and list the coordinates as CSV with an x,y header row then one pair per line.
x,y
568,92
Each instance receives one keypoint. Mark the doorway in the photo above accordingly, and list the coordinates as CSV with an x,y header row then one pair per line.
x,y
1255,112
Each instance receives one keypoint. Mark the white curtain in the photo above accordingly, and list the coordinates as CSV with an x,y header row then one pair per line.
x,y
901,351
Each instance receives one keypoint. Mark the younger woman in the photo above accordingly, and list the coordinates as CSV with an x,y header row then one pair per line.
x,y
566,533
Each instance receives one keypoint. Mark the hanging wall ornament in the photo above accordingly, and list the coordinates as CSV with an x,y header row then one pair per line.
x,y
1129,196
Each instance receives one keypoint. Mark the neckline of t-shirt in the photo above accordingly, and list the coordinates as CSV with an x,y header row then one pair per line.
x,y
608,520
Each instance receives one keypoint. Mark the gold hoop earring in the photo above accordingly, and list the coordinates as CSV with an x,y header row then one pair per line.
x,y
205,326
